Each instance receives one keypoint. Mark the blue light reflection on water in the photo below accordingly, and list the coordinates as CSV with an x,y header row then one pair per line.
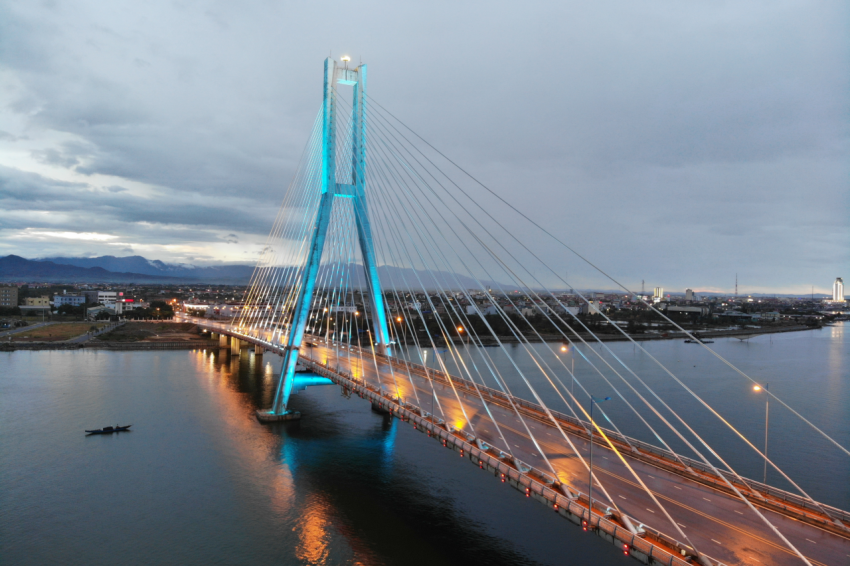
x,y
199,481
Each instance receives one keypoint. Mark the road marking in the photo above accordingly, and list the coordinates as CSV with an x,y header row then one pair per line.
x,y
738,512
549,433
811,541
677,487
709,500
621,497
653,477
606,457
718,542
681,525
650,510
715,519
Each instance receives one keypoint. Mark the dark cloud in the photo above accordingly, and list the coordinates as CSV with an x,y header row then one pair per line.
x,y
54,157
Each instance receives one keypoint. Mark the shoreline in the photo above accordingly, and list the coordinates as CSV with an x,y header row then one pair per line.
x,y
214,345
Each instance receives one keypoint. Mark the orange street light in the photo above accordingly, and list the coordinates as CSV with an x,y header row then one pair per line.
x,y
563,348
460,328
398,319
766,424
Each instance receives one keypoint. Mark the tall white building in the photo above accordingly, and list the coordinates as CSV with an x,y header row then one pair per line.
x,y
689,294
838,290
658,294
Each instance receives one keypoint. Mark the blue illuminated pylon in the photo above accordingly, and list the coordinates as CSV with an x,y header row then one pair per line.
x,y
330,190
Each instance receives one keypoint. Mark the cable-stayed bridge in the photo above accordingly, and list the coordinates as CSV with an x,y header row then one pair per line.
x,y
385,252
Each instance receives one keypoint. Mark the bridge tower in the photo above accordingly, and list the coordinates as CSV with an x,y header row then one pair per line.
x,y
331,190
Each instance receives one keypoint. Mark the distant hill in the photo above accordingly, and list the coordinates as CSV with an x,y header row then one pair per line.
x,y
236,274
14,268
138,268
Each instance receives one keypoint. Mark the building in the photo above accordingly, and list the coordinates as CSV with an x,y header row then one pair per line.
x,y
8,297
224,311
689,294
73,300
658,294
36,305
104,297
838,290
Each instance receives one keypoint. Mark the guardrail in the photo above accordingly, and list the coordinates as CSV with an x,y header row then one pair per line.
x,y
755,491
534,483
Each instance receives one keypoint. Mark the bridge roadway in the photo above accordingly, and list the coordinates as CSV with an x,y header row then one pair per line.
x,y
718,524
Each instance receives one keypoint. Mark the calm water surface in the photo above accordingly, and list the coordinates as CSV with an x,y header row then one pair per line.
x,y
199,481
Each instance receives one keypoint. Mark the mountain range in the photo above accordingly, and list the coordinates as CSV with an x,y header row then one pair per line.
x,y
15,268
237,274
107,269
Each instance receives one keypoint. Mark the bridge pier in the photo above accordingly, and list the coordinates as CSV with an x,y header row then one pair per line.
x,y
258,350
271,416
222,341
235,345
214,335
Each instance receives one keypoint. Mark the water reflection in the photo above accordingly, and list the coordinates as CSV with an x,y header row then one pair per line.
x,y
202,482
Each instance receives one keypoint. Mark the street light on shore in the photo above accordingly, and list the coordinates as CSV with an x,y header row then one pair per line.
x,y
758,388
590,484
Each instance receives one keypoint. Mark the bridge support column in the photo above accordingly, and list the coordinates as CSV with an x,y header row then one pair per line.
x,y
214,335
235,345
331,189
222,341
259,350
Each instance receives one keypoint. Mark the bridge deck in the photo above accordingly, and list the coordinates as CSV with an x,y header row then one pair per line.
x,y
719,524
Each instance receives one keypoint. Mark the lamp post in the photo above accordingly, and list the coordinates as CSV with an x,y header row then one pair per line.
x,y
766,421
403,330
433,391
590,485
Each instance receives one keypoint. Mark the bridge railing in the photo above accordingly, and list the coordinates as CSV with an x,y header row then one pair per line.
x,y
666,455
654,552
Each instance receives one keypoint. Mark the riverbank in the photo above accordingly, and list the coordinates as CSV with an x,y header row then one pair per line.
x,y
214,345
669,335
183,345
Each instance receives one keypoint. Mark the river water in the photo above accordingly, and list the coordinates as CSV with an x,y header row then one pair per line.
x,y
199,481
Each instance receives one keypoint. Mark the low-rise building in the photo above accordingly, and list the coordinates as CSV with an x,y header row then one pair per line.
x,y
8,297
43,301
73,300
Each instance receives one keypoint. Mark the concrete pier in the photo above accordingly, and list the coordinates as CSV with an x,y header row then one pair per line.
x,y
235,345
269,417
214,335
258,350
222,341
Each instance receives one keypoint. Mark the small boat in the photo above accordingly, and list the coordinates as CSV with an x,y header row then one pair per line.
x,y
110,429
698,341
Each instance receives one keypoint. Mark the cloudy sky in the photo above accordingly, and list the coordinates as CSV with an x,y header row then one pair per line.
x,y
675,142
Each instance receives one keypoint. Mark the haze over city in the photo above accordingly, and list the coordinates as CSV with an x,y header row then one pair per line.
x,y
680,144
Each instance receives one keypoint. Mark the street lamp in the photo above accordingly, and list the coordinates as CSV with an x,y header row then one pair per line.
x,y
590,485
403,330
758,388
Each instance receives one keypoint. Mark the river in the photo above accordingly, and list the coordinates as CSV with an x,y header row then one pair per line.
x,y
199,481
